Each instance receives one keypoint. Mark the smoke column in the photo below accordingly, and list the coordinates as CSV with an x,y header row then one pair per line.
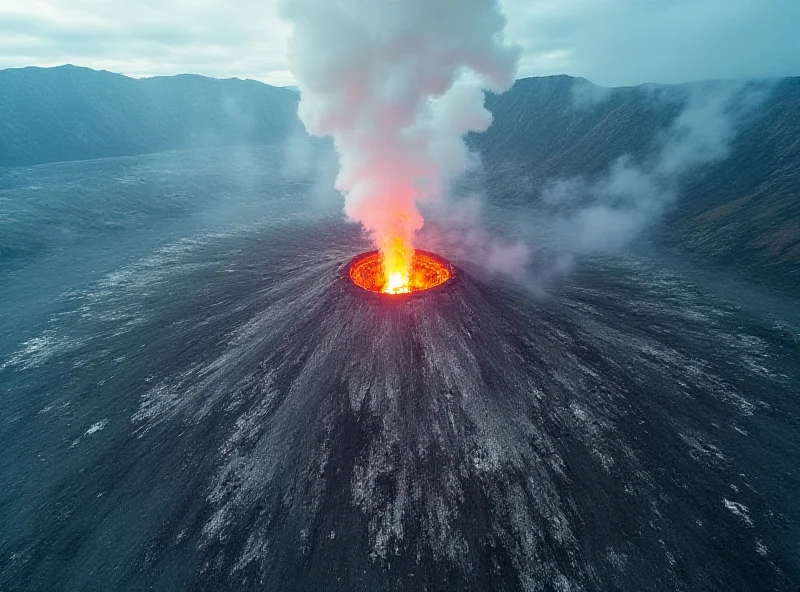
x,y
397,84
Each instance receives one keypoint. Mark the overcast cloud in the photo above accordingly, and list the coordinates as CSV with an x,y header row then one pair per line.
x,y
610,42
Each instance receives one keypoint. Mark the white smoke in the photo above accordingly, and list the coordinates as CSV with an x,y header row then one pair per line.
x,y
586,95
397,85
609,212
533,246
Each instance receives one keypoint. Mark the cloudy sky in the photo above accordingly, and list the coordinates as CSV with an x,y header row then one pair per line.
x,y
610,42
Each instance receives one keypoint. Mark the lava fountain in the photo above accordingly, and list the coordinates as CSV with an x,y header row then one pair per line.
x,y
427,270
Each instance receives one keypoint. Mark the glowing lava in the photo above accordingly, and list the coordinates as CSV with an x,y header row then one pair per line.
x,y
427,271
397,259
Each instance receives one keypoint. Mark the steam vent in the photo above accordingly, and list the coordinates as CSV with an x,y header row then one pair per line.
x,y
428,270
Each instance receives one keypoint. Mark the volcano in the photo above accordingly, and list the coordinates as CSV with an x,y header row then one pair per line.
x,y
195,395
291,430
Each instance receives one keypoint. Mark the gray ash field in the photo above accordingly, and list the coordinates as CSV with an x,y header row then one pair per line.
x,y
189,404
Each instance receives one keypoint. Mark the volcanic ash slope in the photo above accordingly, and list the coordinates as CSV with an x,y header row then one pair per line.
x,y
467,437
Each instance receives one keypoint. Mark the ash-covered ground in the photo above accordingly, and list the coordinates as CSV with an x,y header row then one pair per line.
x,y
195,397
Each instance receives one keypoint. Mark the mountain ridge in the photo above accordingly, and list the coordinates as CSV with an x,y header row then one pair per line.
x,y
74,113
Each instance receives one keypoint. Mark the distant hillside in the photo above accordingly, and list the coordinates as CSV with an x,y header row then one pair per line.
x,y
741,211
70,113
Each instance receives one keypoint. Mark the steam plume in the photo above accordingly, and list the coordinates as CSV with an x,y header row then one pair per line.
x,y
609,212
397,85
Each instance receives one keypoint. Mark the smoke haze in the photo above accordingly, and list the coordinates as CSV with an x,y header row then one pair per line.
x,y
535,242
609,212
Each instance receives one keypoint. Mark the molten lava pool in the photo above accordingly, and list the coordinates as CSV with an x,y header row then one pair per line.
x,y
428,270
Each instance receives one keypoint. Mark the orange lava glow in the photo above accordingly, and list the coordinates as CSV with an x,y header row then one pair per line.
x,y
427,271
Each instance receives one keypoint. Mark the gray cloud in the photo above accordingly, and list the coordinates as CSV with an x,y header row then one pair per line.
x,y
614,42
244,38
628,42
